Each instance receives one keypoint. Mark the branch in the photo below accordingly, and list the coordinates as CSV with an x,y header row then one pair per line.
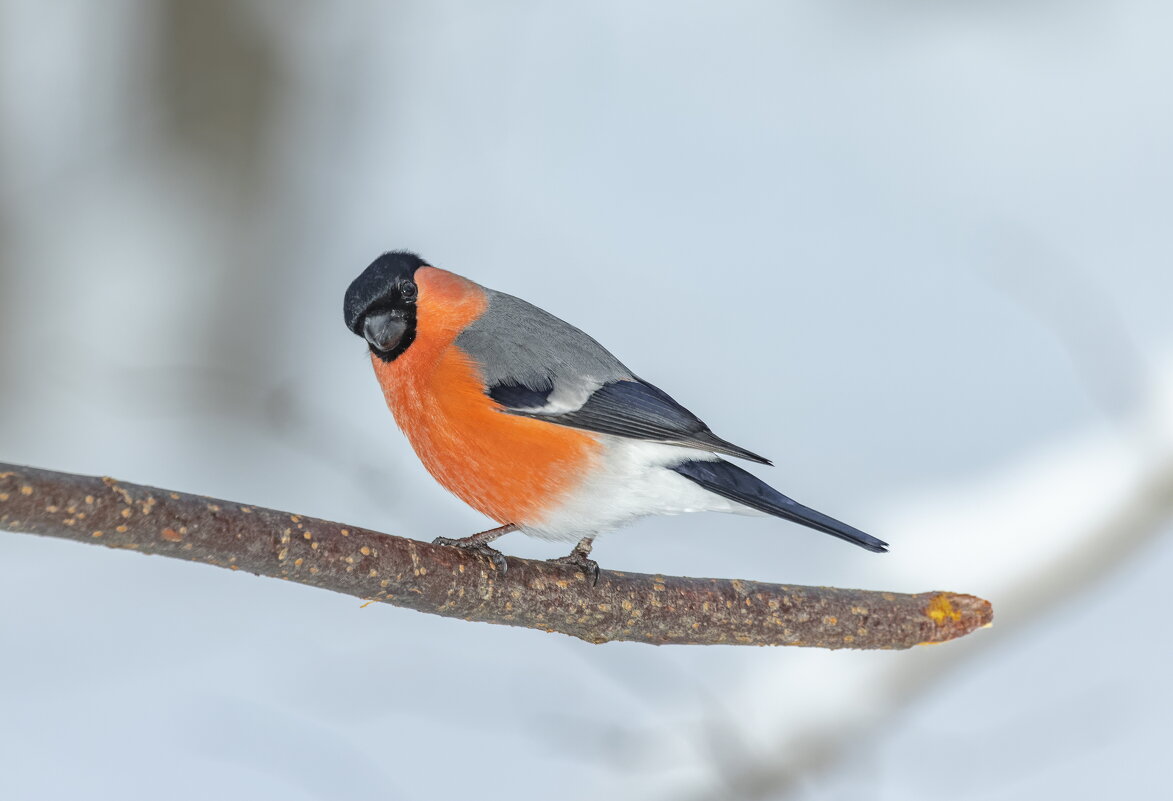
x,y
450,582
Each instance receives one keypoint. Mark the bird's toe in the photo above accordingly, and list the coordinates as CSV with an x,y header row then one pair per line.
x,y
588,566
479,548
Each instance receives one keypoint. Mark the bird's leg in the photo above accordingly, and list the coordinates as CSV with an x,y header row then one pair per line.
x,y
580,558
479,544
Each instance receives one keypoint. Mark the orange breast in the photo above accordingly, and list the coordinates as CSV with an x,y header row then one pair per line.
x,y
510,468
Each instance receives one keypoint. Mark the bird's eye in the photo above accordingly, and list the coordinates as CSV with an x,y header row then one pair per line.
x,y
408,292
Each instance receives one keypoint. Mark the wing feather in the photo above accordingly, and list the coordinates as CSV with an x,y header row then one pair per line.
x,y
636,409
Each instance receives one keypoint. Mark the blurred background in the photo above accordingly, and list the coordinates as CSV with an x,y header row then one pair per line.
x,y
917,252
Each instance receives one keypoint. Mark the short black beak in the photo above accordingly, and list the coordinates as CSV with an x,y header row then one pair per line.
x,y
383,330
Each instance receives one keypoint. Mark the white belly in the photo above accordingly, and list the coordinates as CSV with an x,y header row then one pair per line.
x,y
632,482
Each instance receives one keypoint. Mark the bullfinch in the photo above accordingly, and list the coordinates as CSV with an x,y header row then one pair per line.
x,y
535,424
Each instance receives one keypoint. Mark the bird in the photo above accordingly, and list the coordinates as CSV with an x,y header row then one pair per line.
x,y
536,425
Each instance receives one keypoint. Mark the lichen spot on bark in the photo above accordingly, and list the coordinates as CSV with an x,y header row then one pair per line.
x,y
941,610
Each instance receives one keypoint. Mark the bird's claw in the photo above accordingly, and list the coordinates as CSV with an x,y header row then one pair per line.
x,y
588,566
479,548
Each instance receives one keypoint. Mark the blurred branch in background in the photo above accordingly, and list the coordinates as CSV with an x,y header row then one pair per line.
x,y
454,583
220,114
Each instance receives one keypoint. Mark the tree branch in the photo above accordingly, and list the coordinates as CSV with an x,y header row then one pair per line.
x,y
450,582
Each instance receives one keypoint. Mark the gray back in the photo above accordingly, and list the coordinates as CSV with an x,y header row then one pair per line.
x,y
518,343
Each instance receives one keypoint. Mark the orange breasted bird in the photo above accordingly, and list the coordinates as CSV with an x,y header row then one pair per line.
x,y
535,424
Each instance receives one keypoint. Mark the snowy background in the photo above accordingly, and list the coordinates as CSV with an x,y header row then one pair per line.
x,y
917,252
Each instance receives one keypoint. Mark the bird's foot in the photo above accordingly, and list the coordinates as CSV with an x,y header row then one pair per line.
x,y
479,548
580,558
479,544
588,566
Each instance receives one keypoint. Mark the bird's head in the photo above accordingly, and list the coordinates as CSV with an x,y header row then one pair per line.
x,y
380,304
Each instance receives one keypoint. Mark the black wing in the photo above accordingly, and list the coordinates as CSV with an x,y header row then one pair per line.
x,y
730,481
627,408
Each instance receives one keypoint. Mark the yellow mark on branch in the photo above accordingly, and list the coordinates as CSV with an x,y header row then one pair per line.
x,y
940,609
171,535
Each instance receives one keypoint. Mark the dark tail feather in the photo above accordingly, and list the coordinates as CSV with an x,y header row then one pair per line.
x,y
730,481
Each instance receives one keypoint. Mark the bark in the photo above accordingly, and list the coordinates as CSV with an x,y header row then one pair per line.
x,y
447,581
